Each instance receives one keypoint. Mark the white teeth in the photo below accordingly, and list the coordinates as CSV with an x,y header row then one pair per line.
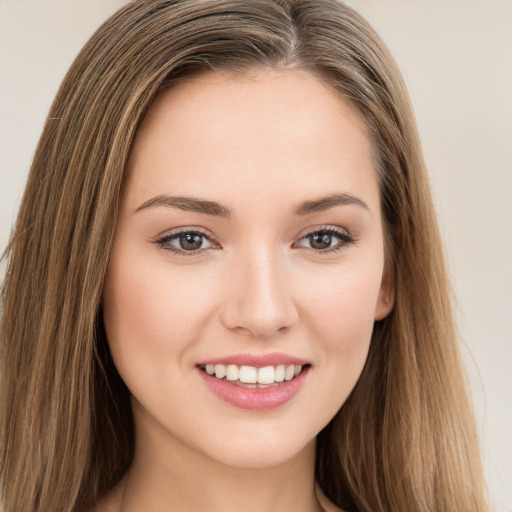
x,y
266,375
220,371
252,375
289,373
248,374
232,372
279,373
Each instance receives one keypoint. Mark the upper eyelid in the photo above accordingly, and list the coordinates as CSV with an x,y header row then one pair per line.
x,y
178,231
163,242
324,227
340,234
336,230
211,236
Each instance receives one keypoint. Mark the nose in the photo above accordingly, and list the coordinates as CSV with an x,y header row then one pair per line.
x,y
257,298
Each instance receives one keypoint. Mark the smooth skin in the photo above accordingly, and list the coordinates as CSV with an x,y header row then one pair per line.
x,y
267,268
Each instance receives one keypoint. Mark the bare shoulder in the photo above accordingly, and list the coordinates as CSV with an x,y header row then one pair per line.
x,y
325,502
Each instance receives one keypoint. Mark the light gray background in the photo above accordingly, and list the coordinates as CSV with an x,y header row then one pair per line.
x,y
456,56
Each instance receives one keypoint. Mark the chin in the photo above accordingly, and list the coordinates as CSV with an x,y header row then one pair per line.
x,y
265,452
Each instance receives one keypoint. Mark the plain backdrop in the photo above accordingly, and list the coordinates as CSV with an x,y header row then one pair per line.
x,y
456,56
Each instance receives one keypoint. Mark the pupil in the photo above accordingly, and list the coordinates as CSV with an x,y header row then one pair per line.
x,y
321,240
191,241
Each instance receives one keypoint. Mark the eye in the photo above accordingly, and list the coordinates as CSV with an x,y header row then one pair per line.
x,y
326,240
189,242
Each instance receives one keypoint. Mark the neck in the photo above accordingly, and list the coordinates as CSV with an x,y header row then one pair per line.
x,y
170,476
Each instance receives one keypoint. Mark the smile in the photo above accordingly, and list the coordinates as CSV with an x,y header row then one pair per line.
x,y
255,383
251,376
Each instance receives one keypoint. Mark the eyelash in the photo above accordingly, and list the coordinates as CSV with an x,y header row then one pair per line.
x,y
164,242
343,237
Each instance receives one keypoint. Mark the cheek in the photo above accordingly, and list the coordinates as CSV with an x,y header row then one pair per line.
x,y
150,314
341,320
342,302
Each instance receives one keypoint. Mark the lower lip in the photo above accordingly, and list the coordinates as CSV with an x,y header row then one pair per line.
x,y
255,399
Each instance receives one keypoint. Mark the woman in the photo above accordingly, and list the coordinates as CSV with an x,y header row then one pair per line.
x,y
230,278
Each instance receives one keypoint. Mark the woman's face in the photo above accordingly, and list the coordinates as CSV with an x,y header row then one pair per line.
x,y
249,242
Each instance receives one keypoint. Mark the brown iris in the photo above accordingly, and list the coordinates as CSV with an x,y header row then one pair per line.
x,y
320,240
190,241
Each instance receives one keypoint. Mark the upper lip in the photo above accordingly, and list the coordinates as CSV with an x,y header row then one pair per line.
x,y
258,360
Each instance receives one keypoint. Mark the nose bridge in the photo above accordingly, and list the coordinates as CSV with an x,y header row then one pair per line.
x,y
258,299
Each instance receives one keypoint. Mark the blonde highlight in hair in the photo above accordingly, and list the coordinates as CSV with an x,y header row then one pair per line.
x,y
404,440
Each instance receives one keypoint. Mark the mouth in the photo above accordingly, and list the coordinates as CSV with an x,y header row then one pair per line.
x,y
252,376
251,387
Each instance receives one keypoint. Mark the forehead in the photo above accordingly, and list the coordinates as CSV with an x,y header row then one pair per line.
x,y
276,127
293,100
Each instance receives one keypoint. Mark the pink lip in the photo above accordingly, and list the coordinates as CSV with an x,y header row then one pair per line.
x,y
258,361
255,399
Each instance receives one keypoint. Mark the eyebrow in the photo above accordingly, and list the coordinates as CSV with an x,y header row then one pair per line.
x,y
192,204
189,204
327,202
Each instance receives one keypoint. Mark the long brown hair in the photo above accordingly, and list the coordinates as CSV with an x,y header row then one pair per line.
x,y
405,438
